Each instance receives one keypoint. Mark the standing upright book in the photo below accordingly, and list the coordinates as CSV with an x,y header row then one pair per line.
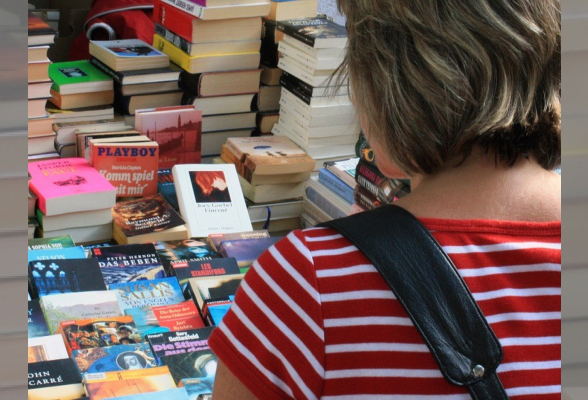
x,y
177,130
211,199
166,187
69,185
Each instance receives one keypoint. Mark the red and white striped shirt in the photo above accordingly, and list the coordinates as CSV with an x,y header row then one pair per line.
x,y
314,319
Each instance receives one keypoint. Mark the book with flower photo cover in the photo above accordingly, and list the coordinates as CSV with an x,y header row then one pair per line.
x,y
211,199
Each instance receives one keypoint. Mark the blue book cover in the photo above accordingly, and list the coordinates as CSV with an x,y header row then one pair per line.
x,y
336,185
152,292
324,204
246,250
65,276
180,342
36,320
114,358
179,393
167,188
65,253
128,263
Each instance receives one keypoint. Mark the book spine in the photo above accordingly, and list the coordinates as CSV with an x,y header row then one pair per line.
x,y
193,9
174,19
335,184
117,77
290,31
176,40
365,199
175,55
269,46
324,204
190,83
297,90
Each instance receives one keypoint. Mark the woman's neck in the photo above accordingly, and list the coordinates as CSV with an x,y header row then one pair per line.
x,y
480,189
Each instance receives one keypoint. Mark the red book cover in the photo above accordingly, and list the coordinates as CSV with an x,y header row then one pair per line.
x,y
69,185
130,167
177,130
178,317
178,21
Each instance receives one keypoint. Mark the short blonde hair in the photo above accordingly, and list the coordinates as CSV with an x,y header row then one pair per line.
x,y
431,79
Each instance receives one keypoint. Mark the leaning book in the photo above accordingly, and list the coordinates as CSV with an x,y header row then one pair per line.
x,y
211,199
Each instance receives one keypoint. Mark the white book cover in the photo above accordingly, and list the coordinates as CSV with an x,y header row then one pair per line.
x,y
46,348
211,199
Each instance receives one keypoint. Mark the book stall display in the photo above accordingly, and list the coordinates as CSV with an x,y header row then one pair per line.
x,y
159,172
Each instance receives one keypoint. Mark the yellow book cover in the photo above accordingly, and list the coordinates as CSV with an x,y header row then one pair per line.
x,y
105,385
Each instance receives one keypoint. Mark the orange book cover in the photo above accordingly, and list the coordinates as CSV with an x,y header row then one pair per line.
x,y
105,385
130,167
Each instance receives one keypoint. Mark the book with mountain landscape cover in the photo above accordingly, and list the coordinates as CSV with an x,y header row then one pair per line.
x,y
55,379
211,199
196,269
152,292
81,76
128,263
177,130
114,358
168,318
195,364
103,385
78,305
37,326
138,76
57,242
65,276
317,32
46,348
179,342
177,251
128,54
130,167
270,155
98,332
69,185
148,219
39,32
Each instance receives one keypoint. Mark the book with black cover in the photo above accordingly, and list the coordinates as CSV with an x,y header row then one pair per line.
x,y
173,251
36,320
65,276
129,262
180,342
197,364
195,269
55,379
166,187
316,32
131,77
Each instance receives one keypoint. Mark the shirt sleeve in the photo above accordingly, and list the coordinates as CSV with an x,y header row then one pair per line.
x,y
272,338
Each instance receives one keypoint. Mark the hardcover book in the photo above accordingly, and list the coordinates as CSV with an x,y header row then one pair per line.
x,y
195,269
70,77
215,239
316,32
98,332
133,77
180,342
168,318
130,167
220,83
177,251
210,199
114,358
65,276
148,219
128,263
246,250
46,348
69,185
55,379
37,326
103,385
166,187
177,130
78,305
153,292
128,54
199,364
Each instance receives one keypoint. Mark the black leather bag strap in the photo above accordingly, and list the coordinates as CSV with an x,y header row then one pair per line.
x,y
427,284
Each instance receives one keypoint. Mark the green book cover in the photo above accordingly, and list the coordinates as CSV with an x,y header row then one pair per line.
x,y
75,72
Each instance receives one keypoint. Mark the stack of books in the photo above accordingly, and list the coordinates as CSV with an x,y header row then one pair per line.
x,y
73,199
142,74
217,44
322,123
77,85
272,173
41,138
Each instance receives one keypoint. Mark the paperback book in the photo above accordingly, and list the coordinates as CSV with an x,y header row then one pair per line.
x,y
215,239
195,269
148,219
199,364
246,251
316,32
178,251
55,379
71,77
46,348
114,358
180,342
128,54
153,292
37,326
65,253
168,318
103,385
166,187
211,199
214,295
128,263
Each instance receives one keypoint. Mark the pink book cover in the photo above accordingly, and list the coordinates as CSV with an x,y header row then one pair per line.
x,y
65,177
177,130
